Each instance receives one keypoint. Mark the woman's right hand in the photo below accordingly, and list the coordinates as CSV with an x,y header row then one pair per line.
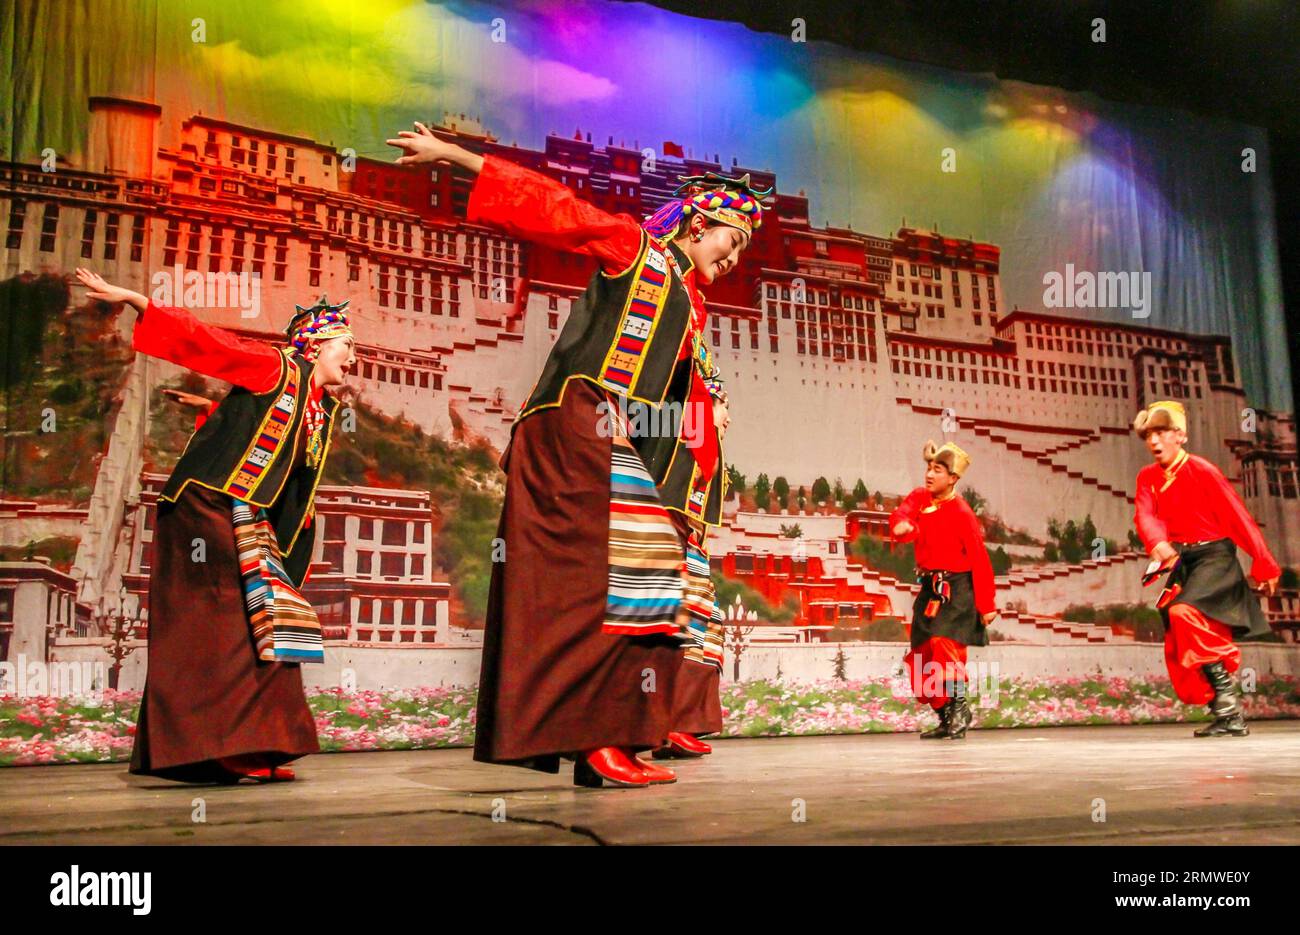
x,y
423,146
902,528
107,292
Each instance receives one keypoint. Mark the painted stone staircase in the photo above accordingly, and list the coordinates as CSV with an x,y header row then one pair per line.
x,y
1050,457
1036,628
1047,456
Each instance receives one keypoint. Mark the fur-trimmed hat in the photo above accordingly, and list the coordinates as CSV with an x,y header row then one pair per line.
x,y
950,456
1165,414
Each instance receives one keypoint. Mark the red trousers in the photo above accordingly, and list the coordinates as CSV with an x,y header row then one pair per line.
x,y
934,666
1194,640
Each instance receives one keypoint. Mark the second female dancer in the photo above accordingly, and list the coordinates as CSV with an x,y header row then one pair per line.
x,y
228,628
583,645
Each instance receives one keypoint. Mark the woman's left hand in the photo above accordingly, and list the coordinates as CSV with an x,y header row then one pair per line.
x,y
188,399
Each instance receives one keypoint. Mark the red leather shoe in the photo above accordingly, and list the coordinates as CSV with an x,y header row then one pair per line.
x,y
681,746
691,742
239,767
657,775
607,765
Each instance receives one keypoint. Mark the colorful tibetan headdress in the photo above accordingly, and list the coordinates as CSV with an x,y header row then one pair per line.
x,y
1165,414
320,322
726,200
949,455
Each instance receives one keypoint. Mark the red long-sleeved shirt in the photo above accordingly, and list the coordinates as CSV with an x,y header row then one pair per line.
x,y
948,538
177,336
531,206
1197,506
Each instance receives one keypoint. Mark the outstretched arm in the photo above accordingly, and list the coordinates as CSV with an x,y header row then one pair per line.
x,y
174,334
529,205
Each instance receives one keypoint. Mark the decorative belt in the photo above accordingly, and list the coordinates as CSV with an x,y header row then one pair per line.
x,y
939,586
1204,546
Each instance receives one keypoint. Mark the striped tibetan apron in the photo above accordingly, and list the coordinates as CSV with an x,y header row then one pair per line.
x,y
699,598
645,554
285,626
646,567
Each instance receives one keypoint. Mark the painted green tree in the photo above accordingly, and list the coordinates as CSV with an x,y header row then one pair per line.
x,y
781,487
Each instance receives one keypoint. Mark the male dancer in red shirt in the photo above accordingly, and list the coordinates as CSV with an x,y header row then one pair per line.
x,y
956,603
1192,521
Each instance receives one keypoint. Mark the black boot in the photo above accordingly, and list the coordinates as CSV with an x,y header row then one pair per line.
x,y
940,732
1229,720
960,717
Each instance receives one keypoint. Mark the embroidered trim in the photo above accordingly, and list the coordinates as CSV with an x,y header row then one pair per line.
x,y
625,359
266,443
699,492
936,502
1171,472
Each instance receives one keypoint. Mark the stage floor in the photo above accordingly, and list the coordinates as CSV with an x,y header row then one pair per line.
x,y
1159,785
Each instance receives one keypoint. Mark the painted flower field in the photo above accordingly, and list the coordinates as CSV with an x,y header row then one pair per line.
x,y
100,728
772,709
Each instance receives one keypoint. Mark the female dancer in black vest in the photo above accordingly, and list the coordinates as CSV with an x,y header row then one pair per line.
x,y
223,699
582,648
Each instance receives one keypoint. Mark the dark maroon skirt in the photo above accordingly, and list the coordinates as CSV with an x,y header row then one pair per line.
x,y
697,705
697,702
206,694
552,683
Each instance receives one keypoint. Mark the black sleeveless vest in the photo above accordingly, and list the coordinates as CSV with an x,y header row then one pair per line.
x,y
246,449
623,334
